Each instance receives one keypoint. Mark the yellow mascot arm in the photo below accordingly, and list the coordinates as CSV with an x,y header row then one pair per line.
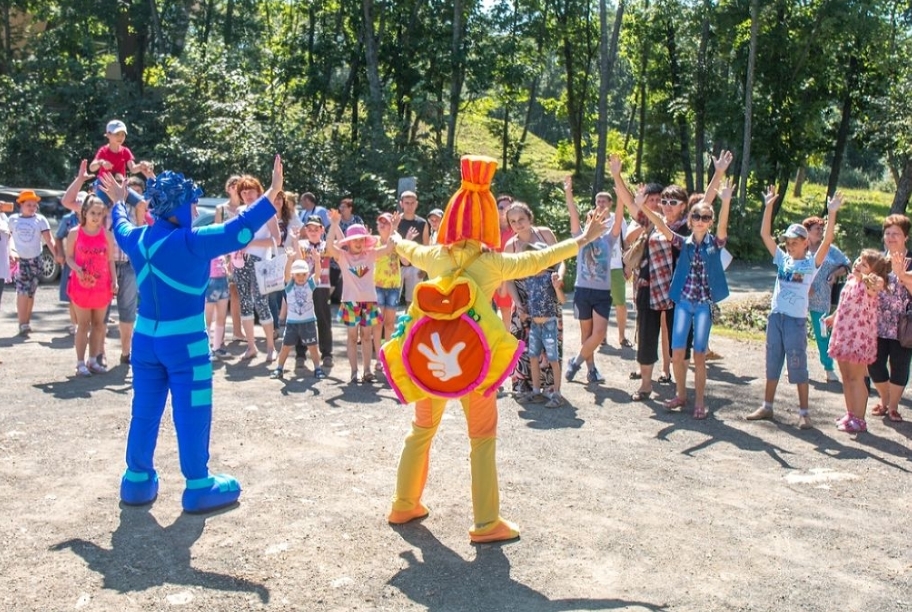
x,y
530,263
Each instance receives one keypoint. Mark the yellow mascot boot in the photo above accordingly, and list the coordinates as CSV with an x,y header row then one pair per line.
x,y
489,525
412,476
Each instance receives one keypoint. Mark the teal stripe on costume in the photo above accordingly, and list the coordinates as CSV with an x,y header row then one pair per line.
x,y
244,236
180,327
200,483
154,248
179,286
202,372
135,476
200,347
215,229
201,397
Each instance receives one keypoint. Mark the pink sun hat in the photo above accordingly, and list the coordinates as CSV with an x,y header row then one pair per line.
x,y
357,232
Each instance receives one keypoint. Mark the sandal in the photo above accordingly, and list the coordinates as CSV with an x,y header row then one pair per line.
x,y
626,343
700,412
640,395
879,410
894,416
635,376
368,378
676,403
665,379
248,356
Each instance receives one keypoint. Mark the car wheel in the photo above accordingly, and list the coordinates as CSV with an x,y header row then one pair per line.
x,y
50,269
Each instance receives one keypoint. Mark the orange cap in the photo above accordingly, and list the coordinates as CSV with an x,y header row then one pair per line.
x,y
471,213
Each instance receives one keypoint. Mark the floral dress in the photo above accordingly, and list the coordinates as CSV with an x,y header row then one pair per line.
x,y
854,338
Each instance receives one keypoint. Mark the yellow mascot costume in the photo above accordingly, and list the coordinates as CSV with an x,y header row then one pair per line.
x,y
452,345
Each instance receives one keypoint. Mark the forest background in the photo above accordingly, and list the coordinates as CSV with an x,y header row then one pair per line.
x,y
810,95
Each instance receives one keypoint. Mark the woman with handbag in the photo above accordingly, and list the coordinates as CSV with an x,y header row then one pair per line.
x,y
890,371
252,299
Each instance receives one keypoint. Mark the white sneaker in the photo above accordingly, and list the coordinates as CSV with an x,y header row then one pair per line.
x,y
831,376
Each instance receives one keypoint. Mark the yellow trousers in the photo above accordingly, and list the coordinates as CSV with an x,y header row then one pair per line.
x,y
481,417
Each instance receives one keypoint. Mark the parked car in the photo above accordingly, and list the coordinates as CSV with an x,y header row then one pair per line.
x,y
50,207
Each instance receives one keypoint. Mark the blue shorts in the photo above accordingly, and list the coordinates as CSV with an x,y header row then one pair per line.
x,y
586,301
786,341
691,315
218,290
388,298
127,292
543,337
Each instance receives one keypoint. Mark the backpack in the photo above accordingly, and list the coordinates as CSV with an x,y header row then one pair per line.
x,y
449,343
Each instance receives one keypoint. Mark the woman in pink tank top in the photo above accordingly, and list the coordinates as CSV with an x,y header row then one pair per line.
x,y
90,255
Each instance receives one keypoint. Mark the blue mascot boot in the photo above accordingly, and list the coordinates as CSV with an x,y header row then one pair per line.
x,y
138,488
207,494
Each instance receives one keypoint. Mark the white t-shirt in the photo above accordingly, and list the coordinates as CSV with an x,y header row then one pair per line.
x,y
300,300
262,234
793,283
26,233
617,254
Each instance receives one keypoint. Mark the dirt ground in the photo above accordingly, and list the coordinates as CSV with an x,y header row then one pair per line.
x,y
622,505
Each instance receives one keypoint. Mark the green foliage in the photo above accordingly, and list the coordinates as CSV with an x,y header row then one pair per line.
x,y
747,315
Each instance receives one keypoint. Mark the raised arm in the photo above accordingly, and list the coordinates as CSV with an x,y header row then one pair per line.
x,y
571,205
766,226
621,190
69,196
721,163
833,206
726,195
658,221
335,233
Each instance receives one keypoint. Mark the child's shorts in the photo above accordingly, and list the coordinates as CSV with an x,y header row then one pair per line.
x,y
543,337
388,298
28,276
365,314
218,289
305,332
786,341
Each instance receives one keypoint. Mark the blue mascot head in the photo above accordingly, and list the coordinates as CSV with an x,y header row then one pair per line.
x,y
171,195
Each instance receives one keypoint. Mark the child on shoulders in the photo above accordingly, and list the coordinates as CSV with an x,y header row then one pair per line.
x,y
114,158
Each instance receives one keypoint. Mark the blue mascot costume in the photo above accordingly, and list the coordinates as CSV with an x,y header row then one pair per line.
x,y
170,345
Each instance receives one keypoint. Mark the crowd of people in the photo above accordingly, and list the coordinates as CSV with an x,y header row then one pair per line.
x,y
670,245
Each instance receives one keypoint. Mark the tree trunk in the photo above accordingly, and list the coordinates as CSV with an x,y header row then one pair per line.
x,y
228,30
607,53
7,58
700,96
842,134
131,44
749,100
677,90
800,176
457,77
375,91
641,96
903,190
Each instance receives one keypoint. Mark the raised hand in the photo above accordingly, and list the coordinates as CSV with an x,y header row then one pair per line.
x,y
278,175
334,215
83,172
727,189
639,198
836,202
614,164
898,262
116,190
568,184
596,224
443,364
722,162
770,196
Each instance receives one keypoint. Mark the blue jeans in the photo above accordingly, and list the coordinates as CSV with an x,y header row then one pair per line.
x,y
687,314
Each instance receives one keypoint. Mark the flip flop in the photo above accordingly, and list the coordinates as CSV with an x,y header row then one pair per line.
x,y
879,410
640,396
635,376
665,379
894,416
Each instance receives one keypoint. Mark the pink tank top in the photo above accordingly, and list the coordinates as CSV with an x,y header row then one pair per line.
x,y
91,254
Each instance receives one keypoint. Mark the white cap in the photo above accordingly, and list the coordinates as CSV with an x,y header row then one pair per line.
x,y
116,125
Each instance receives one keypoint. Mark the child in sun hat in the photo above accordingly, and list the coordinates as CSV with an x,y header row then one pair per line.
x,y
301,324
28,229
357,254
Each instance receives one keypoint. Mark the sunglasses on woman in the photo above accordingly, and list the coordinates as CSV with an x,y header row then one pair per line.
x,y
671,202
703,218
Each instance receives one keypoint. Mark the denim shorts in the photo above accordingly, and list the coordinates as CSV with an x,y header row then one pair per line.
x,y
786,341
388,298
543,338
218,289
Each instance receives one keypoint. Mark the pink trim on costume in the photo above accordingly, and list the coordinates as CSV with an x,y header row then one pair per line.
x,y
391,380
509,370
407,349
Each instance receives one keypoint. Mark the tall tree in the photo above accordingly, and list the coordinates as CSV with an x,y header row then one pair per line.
x,y
608,57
